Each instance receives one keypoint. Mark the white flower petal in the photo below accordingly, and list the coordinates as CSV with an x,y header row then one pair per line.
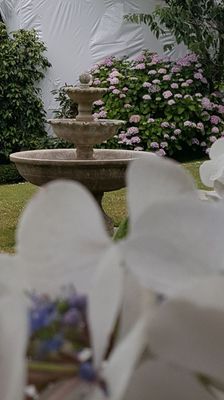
x,y
61,237
190,332
124,358
217,149
13,341
136,299
105,303
157,381
176,245
154,179
212,170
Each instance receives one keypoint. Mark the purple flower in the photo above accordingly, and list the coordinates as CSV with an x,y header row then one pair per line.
x,y
102,114
72,317
165,124
163,145
154,145
125,89
206,103
147,84
215,119
167,94
132,130
151,120
114,74
200,126
189,81
156,81
135,140
177,131
173,138
166,78
140,66
215,129
175,70
162,71
96,82
221,109
188,123
122,96
160,152
116,91
140,58
113,81
174,85
98,103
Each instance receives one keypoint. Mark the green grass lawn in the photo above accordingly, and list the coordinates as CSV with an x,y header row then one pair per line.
x,y
13,199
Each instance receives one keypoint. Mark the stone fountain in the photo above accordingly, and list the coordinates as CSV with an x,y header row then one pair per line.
x,y
99,170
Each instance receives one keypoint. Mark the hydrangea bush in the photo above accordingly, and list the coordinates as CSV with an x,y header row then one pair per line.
x,y
166,104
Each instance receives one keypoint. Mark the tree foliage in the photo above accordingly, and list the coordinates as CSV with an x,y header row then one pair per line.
x,y
22,66
198,24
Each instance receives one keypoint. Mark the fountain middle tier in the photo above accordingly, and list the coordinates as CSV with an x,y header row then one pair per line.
x,y
85,135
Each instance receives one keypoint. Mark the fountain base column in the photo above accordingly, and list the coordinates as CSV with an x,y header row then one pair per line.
x,y
108,221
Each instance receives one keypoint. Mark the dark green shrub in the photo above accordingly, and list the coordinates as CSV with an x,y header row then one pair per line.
x,y
22,66
9,174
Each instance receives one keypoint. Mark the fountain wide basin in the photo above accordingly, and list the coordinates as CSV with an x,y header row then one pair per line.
x,y
103,174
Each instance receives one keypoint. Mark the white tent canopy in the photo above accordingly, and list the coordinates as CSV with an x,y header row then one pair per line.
x,y
79,33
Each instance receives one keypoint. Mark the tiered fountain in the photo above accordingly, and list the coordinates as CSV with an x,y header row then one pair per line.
x,y
99,170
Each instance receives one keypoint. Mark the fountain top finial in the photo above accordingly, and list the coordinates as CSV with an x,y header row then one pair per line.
x,y
85,79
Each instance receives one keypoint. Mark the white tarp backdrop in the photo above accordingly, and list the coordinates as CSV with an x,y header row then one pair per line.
x,y
78,33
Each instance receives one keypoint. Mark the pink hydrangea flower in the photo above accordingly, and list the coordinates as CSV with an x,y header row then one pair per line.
x,y
215,129
135,140
96,82
125,89
166,136
140,58
154,145
132,130
206,103
221,109
122,96
116,91
140,66
146,97
166,78
98,103
174,85
112,87
165,124
164,145
160,152
173,138
151,120
102,114
189,81
184,84
113,81
134,118
162,71
167,94
177,132
175,69
146,84
200,126
114,74
156,81
127,105
215,119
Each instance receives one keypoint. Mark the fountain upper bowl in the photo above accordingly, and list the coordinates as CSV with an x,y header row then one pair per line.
x,y
103,174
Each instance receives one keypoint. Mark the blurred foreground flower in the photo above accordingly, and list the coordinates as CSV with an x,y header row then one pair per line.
x,y
175,240
212,171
